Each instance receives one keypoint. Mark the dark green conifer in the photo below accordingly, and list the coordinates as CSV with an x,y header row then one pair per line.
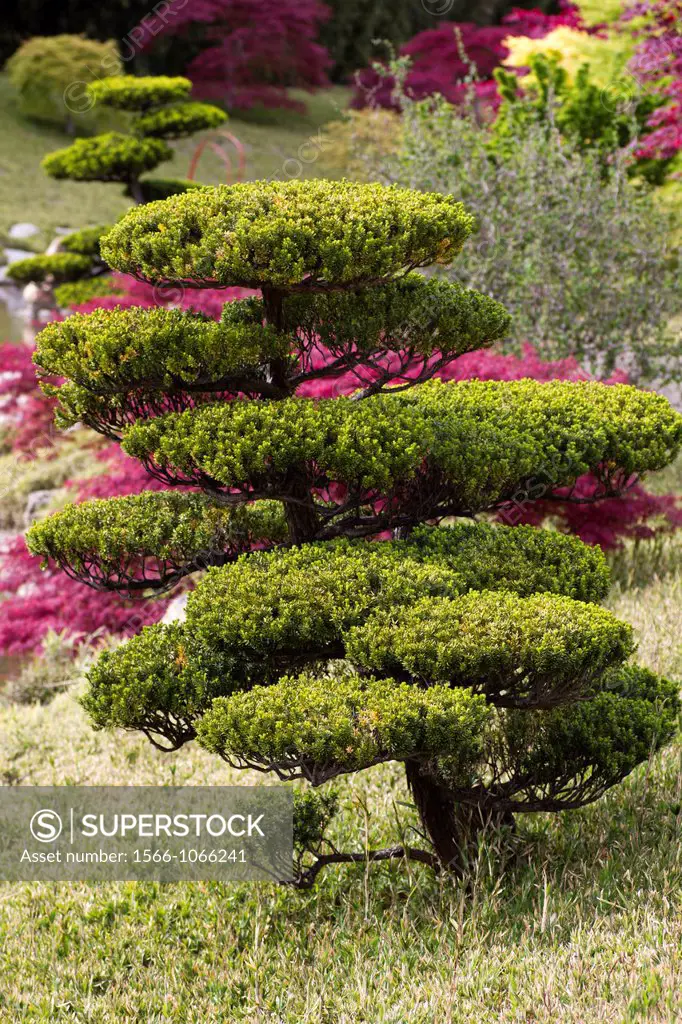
x,y
478,655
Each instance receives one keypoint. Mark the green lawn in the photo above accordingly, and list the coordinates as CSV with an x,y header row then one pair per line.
x,y
273,142
585,926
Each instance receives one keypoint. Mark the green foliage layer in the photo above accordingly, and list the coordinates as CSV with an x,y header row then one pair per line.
x,y
288,234
109,351
158,683
83,291
307,594
151,539
153,189
85,241
270,611
533,652
482,440
129,92
320,727
411,312
177,121
134,357
109,157
569,756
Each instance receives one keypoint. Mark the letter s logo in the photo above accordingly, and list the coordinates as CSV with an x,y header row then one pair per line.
x,y
46,826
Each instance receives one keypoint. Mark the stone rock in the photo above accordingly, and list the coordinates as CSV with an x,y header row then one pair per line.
x,y
23,230
14,255
35,501
176,611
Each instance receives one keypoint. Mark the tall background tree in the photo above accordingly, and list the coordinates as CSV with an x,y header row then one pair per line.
x,y
345,28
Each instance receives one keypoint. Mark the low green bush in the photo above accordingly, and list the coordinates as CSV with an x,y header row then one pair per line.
x,y
108,351
59,666
50,74
261,613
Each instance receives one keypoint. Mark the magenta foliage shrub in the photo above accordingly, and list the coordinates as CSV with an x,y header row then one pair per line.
x,y
442,58
658,60
666,138
39,600
34,600
255,49
138,293
28,412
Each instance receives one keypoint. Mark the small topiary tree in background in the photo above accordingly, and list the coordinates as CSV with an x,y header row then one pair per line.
x,y
477,655
161,111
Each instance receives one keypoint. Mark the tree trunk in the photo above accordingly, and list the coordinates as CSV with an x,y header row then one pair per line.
x,y
301,516
452,827
136,191
273,301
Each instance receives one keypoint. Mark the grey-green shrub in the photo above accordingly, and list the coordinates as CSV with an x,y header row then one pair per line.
x,y
584,263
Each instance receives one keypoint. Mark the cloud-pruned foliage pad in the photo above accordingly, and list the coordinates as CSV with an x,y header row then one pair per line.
x,y
288,234
179,120
130,92
109,157
151,539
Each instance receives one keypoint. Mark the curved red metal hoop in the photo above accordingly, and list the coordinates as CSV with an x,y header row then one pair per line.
x,y
223,153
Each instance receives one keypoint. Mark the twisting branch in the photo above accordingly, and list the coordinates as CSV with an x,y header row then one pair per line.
x,y
306,879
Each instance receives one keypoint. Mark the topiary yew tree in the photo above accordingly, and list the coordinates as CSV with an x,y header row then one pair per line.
x,y
346,618
161,111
